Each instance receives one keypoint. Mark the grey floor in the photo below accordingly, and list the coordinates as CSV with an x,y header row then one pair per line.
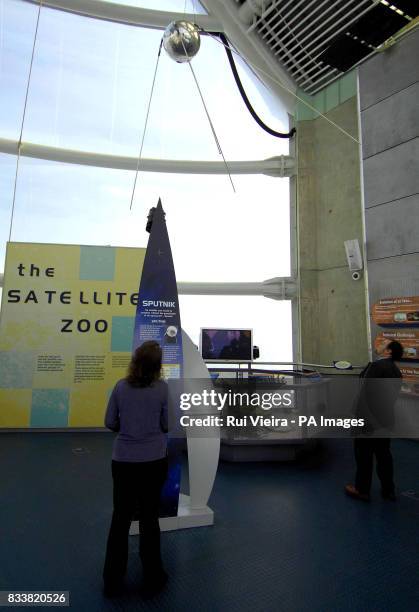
x,y
285,537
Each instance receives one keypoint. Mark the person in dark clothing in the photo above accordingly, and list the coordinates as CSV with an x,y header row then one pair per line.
x,y
376,405
137,409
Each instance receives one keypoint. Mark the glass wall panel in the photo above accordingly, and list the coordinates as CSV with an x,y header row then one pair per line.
x,y
7,178
91,82
89,90
17,31
216,235
269,319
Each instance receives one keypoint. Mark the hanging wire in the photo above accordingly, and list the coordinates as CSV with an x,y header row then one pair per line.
x,y
277,82
194,11
217,142
145,125
19,144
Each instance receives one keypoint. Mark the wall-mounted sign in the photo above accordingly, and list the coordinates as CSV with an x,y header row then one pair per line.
x,y
397,312
66,329
409,338
410,383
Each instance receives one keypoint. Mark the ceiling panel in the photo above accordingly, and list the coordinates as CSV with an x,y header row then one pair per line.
x,y
318,40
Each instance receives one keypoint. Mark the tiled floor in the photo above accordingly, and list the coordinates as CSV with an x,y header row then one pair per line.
x,y
285,536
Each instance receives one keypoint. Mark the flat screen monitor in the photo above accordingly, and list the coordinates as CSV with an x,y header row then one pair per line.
x,y
218,344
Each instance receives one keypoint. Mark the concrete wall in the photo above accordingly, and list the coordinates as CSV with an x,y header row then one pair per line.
x,y
333,315
389,101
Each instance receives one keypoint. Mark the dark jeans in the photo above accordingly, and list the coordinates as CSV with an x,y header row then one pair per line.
x,y
365,449
136,489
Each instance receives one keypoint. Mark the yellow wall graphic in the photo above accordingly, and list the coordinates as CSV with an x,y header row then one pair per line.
x,y
66,327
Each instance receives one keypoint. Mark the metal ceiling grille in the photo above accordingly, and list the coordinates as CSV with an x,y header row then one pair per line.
x,y
316,40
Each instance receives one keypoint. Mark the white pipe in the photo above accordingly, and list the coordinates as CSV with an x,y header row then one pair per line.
x,y
280,288
275,288
281,165
131,15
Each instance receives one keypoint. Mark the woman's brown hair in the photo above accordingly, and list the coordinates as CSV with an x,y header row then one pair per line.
x,y
145,365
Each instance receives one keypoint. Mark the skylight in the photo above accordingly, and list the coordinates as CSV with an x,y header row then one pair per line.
x,y
176,6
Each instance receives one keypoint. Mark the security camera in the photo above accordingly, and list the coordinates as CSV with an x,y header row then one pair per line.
x,y
356,275
353,255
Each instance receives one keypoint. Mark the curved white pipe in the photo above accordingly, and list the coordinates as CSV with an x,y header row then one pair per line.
x,y
280,288
131,15
281,165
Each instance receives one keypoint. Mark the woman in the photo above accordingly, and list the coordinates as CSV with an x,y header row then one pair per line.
x,y
137,409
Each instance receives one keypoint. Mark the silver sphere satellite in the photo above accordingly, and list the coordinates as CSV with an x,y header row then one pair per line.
x,y
181,40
